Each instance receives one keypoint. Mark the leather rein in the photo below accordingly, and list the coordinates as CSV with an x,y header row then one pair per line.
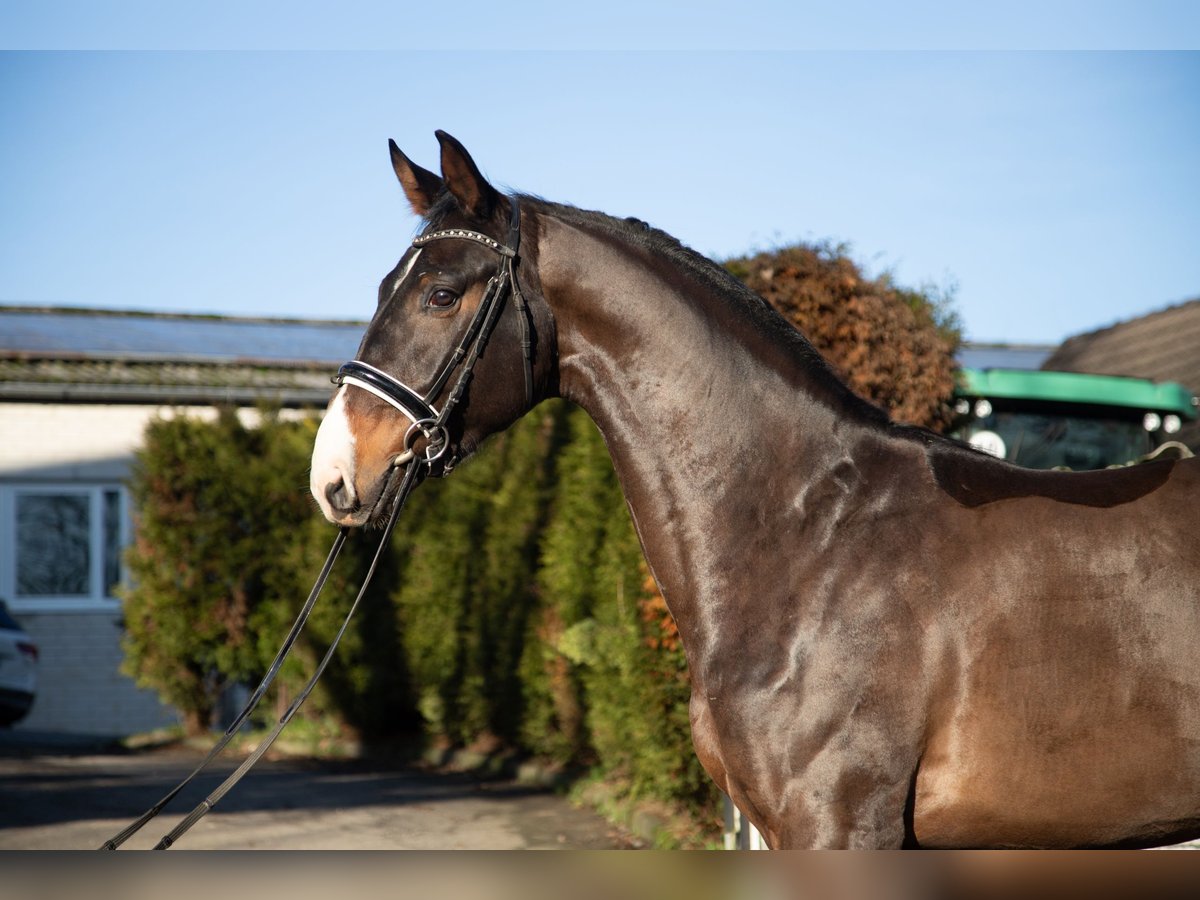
x,y
426,420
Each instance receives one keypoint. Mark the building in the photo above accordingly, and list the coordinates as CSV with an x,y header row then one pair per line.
x,y
1160,346
1102,398
77,389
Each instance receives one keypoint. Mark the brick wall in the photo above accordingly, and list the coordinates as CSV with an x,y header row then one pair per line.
x,y
80,689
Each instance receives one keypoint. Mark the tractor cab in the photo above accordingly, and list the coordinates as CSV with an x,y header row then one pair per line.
x,y
1067,420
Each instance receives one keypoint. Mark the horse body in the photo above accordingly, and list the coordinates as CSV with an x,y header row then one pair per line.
x,y
892,639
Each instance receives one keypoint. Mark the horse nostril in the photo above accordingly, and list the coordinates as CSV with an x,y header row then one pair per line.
x,y
337,495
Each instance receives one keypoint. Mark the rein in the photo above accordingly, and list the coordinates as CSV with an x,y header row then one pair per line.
x,y
428,421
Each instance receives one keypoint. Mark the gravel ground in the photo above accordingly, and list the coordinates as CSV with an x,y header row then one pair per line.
x,y
70,798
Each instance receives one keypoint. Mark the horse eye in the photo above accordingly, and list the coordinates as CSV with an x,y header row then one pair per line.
x,y
442,298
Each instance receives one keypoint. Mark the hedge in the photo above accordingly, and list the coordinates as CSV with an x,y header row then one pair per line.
x,y
225,551
513,609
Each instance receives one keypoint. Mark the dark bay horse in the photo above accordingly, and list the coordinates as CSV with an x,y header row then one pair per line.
x,y
893,640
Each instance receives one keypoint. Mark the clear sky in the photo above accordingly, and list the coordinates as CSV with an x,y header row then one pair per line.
x,y
146,165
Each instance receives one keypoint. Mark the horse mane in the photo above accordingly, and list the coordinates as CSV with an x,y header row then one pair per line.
x,y
743,302
658,244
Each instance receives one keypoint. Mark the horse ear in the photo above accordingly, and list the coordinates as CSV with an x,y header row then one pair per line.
x,y
421,186
476,197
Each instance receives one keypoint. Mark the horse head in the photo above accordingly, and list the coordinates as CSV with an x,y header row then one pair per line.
x,y
422,382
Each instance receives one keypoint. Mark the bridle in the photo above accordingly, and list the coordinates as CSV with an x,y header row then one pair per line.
x,y
428,421
419,409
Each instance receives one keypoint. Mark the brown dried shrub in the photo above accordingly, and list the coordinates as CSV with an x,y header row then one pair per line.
x,y
892,345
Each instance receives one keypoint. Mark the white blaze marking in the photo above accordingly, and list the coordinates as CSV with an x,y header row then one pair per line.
x,y
333,454
400,278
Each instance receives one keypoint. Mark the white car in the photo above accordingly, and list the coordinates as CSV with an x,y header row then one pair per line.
x,y
18,669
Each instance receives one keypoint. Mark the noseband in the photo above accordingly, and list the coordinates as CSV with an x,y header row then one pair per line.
x,y
427,420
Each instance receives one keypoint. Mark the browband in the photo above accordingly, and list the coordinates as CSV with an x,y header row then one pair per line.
x,y
490,243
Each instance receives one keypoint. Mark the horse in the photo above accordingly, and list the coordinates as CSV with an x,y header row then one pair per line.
x,y
893,640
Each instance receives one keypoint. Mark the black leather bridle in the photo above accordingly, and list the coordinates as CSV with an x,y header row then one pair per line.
x,y
428,421
419,408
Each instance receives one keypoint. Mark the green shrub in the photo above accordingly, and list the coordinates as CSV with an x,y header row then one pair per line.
x,y
604,675
227,545
366,690
893,345
198,563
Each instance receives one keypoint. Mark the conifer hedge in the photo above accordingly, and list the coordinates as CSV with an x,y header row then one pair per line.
x,y
514,609
226,548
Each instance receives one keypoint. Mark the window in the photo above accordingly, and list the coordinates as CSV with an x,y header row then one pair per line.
x,y
61,544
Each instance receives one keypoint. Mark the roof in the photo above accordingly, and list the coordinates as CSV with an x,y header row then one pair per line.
x,y
1161,346
1073,387
211,338
57,355
50,380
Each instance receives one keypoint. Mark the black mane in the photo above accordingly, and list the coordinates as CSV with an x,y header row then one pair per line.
x,y
657,243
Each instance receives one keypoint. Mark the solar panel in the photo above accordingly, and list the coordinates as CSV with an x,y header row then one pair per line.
x,y
197,337
998,356
115,334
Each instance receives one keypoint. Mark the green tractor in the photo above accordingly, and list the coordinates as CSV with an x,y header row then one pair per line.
x,y
1066,420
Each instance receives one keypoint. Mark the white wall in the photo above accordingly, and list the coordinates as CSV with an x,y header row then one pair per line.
x,y
66,441
80,688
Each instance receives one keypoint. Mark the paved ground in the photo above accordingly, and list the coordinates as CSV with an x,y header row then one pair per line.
x,y
56,798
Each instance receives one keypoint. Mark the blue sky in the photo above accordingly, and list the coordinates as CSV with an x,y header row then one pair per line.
x,y
1058,189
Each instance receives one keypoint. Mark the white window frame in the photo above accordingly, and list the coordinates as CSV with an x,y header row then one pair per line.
x,y
95,600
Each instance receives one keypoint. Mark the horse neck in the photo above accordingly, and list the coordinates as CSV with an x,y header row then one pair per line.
x,y
707,404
